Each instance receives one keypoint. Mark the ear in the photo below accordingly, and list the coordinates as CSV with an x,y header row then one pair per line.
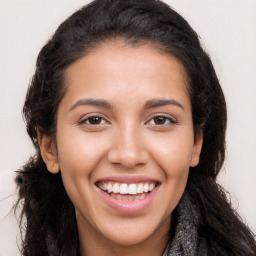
x,y
198,143
48,150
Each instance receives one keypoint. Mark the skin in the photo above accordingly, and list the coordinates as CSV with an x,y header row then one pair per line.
x,y
127,140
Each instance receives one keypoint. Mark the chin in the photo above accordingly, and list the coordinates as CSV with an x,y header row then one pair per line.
x,y
134,232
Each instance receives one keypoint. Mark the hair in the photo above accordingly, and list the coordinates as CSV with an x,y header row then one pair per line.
x,y
50,224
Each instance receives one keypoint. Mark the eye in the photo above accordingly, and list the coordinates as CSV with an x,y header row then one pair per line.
x,y
161,120
93,120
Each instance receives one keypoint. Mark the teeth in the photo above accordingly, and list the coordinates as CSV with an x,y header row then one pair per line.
x,y
143,196
127,189
115,188
151,187
146,188
132,189
109,188
124,189
104,186
140,189
128,197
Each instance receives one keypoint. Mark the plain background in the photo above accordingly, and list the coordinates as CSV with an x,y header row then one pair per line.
x,y
227,30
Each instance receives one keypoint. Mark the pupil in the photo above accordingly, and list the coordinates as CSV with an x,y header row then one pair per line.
x,y
160,120
95,120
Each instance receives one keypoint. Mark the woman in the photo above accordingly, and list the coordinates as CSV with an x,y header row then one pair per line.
x,y
128,119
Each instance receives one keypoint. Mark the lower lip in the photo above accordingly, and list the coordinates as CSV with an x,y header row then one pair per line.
x,y
128,207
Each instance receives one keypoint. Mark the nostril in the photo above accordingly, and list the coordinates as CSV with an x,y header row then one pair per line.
x,y
129,160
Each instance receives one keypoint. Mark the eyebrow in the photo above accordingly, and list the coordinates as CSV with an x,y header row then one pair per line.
x,y
107,105
93,102
162,102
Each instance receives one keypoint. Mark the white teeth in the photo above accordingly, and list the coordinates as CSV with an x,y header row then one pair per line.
x,y
132,189
115,188
151,186
146,188
127,189
105,186
140,189
109,188
143,196
124,189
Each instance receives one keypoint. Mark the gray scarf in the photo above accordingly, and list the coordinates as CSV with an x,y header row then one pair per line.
x,y
186,241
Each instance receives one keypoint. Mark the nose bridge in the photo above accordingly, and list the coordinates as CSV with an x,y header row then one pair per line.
x,y
128,148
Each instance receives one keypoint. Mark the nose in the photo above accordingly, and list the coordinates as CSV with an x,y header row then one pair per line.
x,y
128,149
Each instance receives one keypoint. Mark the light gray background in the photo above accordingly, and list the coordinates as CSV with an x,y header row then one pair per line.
x,y
227,29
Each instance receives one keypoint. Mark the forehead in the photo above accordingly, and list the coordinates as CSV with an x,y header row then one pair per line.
x,y
116,67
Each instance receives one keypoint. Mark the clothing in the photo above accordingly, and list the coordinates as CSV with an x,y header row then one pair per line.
x,y
186,241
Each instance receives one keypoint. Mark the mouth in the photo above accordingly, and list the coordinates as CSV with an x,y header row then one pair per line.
x,y
127,192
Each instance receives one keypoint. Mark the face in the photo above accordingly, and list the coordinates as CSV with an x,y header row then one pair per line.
x,y
125,141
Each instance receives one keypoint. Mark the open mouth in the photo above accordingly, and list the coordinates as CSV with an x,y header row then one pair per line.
x,y
127,192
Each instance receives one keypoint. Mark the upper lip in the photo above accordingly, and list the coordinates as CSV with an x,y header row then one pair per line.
x,y
128,179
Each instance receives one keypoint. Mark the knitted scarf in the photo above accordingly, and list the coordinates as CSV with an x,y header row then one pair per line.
x,y
186,241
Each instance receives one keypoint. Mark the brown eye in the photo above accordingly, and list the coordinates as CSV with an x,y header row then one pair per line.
x,y
160,120
94,120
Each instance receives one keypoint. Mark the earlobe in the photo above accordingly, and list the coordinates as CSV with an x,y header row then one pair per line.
x,y
198,143
48,151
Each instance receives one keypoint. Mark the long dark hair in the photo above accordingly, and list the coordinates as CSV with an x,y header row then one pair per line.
x,y
50,224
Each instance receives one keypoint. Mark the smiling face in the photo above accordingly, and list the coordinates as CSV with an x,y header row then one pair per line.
x,y
125,142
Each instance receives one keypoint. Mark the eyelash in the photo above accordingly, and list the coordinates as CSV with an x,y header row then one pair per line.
x,y
84,121
170,120
164,118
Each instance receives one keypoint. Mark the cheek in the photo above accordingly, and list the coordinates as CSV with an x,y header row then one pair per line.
x,y
173,152
80,152
174,156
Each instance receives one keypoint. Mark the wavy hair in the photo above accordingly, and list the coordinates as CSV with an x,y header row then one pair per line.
x,y
50,224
